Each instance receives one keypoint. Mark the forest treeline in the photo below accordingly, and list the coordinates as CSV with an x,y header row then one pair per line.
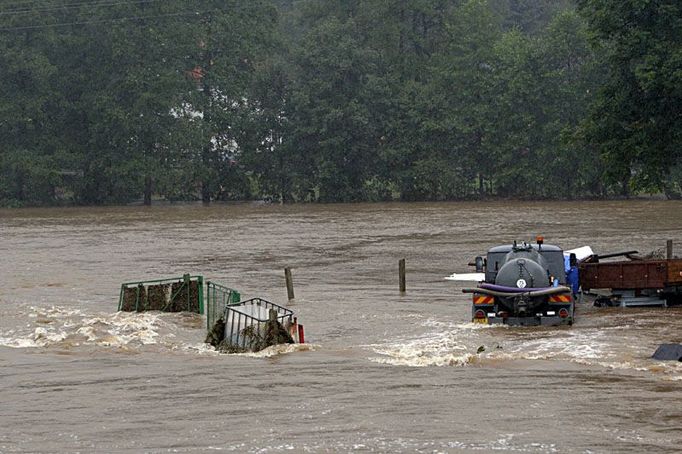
x,y
116,101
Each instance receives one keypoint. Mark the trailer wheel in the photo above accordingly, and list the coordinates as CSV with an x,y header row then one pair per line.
x,y
602,301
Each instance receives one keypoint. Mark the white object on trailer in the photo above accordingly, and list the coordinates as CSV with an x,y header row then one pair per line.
x,y
581,253
466,277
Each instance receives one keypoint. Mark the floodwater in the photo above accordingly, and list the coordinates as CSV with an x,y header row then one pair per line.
x,y
382,372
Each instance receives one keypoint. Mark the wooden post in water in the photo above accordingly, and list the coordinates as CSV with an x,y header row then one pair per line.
x,y
290,283
669,249
401,274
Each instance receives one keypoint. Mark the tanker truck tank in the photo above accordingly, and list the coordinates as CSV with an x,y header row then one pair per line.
x,y
524,268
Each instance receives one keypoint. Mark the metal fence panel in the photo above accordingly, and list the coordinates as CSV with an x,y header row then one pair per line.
x,y
177,294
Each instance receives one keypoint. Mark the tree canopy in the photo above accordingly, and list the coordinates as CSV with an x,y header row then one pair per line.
x,y
337,100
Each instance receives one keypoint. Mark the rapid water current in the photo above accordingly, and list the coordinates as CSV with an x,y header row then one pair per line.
x,y
381,372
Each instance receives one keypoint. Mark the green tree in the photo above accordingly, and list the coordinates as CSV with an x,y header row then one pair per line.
x,y
334,128
336,100
465,79
635,121
28,100
229,43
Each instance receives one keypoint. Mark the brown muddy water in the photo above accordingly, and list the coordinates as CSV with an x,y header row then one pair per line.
x,y
382,373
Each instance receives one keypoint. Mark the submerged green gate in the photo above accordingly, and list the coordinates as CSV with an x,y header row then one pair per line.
x,y
218,297
179,294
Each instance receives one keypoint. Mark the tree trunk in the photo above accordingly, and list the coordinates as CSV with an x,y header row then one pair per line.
x,y
205,193
19,186
625,185
147,190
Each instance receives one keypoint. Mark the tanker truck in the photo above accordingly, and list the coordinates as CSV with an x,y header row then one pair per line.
x,y
524,285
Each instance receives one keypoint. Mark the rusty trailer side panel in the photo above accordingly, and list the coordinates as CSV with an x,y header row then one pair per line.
x,y
674,272
636,274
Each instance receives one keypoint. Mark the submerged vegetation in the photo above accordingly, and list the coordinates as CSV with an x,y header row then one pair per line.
x,y
338,100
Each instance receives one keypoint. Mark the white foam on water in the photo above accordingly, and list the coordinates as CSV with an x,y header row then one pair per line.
x,y
17,342
564,346
461,328
446,344
273,350
591,347
200,349
459,344
432,349
281,349
668,370
413,356
60,327
498,442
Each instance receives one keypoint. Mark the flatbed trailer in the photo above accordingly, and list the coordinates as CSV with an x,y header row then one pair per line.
x,y
634,282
